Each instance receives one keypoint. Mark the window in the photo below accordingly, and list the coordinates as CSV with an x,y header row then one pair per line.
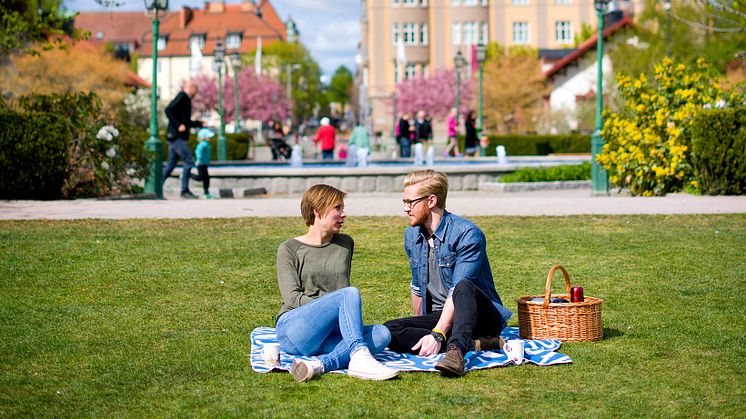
x,y
410,71
423,69
423,3
99,35
563,31
162,40
199,39
395,3
562,1
520,33
520,2
456,33
395,33
396,73
485,35
484,2
409,3
470,33
233,41
469,2
410,34
424,34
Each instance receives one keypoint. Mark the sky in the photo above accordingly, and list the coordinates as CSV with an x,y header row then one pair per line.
x,y
330,29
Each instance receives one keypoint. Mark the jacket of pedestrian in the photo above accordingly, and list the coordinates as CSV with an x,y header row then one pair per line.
x,y
203,153
325,135
179,111
423,131
461,254
452,126
404,131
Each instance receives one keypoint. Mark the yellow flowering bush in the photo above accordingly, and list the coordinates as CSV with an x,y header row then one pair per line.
x,y
647,145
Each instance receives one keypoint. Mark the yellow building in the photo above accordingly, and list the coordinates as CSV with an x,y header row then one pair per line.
x,y
433,31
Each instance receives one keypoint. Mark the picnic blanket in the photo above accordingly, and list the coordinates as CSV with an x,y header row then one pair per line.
x,y
537,352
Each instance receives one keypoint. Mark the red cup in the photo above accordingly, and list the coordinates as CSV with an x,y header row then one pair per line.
x,y
576,295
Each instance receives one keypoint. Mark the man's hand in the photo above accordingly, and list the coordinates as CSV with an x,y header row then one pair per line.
x,y
427,346
182,128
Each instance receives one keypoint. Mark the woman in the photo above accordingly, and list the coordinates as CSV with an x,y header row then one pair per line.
x,y
470,141
452,123
404,133
321,313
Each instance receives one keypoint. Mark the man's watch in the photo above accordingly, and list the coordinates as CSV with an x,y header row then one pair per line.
x,y
438,336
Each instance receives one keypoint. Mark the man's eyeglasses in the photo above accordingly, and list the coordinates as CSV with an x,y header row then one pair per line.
x,y
410,203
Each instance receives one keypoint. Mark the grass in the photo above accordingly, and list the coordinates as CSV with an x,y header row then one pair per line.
x,y
152,318
580,171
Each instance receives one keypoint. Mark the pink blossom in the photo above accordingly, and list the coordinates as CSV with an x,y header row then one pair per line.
x,y
435,94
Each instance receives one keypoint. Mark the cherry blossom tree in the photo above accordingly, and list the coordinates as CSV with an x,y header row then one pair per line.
x,y
259,97
435,94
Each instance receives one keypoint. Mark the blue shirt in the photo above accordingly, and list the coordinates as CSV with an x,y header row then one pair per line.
x,y
461,254
203,153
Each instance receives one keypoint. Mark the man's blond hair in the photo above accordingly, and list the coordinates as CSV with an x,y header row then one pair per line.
x,y
429,182
321,198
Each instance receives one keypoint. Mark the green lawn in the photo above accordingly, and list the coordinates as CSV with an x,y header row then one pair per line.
x,y
152,318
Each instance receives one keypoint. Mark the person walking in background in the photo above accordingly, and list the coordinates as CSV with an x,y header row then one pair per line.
x,y
203,152
423,131
471,142
452,123
404,137
326,136
321,314
179,113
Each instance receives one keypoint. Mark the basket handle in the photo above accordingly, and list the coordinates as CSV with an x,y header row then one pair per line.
x,y
548,290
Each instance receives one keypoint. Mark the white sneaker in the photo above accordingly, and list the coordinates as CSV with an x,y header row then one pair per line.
x,y
363,365
306,370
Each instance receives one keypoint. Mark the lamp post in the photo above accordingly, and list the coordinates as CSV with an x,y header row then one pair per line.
x,y
599,177
481,57
458,62
218,60
667,6
236,64
154,146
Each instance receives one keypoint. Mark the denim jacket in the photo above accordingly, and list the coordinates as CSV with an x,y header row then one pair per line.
x,y
461,254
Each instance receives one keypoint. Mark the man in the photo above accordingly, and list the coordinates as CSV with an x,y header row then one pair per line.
x,y
179,113
423,130
326,136
453,295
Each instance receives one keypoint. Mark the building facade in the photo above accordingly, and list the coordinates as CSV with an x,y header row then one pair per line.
x,y
409,38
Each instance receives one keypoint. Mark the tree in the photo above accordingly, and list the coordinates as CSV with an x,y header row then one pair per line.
x,y
340,87
260,97
513,88
307,91
27,22
435,94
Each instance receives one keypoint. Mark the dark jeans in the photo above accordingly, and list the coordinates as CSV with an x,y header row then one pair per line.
x,y
474,317
203,176
327,154
405,147
179,148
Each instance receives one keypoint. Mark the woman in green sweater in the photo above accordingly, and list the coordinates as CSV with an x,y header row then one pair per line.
x,y
321,314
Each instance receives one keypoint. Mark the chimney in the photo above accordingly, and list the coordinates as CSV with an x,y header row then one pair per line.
x,y
248,6
185,16
215,6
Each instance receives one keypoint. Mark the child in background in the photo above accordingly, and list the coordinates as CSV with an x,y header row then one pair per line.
x,y
203,153
342,151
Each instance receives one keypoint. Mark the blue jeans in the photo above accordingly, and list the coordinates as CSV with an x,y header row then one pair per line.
x,y
179,148
330,327
405,147
327,154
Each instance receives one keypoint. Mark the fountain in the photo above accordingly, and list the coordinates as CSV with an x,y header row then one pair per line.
x,y
362,157
502,157
296,158
419,154
431,156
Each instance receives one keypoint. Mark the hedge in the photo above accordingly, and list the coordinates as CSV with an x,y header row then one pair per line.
x,y
33,155
238,145
719,151
530,145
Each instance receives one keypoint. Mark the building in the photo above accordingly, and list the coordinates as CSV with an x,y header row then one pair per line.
x,y
124,31
240,26
433,31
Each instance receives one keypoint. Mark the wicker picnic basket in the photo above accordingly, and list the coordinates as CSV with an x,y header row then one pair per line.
x,y
564,321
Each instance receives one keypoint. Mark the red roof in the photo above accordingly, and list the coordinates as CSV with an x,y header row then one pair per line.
x,y
115,27
586,46
217,20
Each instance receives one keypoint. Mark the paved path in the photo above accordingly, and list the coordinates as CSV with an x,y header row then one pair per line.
x,y
555,203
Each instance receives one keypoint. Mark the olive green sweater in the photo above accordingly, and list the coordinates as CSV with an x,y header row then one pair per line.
x,y
306,272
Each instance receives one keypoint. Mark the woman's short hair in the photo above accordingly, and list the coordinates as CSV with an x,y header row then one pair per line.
x,y
320,198
430,182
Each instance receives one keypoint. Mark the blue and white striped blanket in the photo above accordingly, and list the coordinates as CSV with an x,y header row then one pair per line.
x,y
538,352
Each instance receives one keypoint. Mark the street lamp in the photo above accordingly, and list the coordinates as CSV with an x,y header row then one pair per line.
x,y
458,62
599,177
154,146
481,58
218,55
236,64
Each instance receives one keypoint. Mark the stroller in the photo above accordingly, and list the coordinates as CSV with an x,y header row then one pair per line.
x,y
280,149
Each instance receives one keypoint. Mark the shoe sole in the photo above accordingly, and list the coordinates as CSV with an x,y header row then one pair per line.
x,y
447,371
374,377
300,371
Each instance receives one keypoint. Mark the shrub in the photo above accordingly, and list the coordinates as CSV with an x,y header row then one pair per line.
x,y
531,145
549,174
719,151
33,155
648,143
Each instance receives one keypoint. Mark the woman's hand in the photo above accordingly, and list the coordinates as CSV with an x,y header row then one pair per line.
x,y
427,346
